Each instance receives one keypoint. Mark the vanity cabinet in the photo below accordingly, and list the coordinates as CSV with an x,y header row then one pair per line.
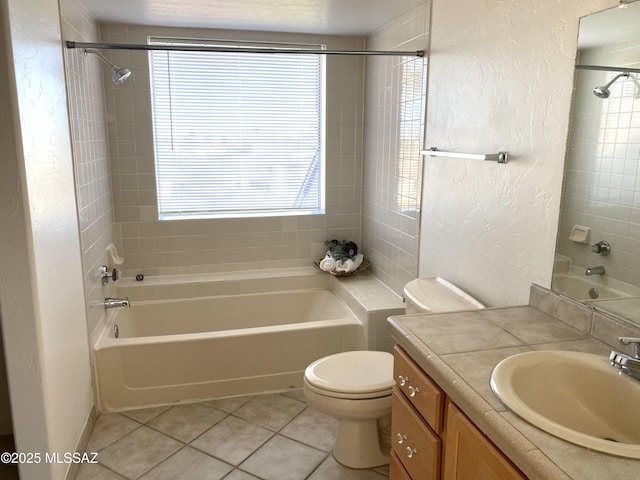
x,y
417,420
469,454
425,446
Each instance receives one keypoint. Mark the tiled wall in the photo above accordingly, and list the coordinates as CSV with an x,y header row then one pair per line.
x,y
194,246
395,98
602,184
90,154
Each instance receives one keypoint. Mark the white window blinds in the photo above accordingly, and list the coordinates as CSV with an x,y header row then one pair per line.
x,y
237,134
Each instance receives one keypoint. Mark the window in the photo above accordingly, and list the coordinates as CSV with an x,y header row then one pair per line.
x,y
237,134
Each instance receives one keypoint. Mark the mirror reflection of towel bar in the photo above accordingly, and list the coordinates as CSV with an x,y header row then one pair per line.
x,y
500,157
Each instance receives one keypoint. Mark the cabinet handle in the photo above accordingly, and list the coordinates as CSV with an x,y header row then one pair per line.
x,y
401,438
403,380
411,452
413,391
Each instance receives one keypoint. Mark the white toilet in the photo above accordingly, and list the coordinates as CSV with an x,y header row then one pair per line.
x,y
355,387
435,294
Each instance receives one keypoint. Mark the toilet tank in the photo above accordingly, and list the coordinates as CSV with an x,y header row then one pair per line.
x,y
434,294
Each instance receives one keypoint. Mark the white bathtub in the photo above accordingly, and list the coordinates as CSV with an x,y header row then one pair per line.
x,y
582,288
195,348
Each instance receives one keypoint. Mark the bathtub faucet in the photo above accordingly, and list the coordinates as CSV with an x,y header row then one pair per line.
x,y
116,302
599,270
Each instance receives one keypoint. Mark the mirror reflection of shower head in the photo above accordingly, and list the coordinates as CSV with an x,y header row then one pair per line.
x,y
603,92
119,74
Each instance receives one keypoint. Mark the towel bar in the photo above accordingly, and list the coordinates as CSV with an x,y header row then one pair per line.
x,y
500,157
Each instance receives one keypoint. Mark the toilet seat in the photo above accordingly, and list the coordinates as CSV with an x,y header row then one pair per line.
x,y
352,375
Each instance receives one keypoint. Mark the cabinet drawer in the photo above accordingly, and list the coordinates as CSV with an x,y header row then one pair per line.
x,y
419,389
396,470
416,446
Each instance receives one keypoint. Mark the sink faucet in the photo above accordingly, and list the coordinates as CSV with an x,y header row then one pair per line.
x,y
116,302
627,364
599,270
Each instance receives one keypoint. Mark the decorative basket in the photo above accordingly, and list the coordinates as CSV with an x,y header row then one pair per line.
x,y
363,266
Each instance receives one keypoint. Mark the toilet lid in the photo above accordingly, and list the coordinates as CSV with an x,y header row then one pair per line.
x,y
352,372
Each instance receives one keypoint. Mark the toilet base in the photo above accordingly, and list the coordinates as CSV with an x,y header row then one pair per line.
x,y
357,444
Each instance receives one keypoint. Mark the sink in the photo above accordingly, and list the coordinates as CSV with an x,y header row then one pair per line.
x,y
576,396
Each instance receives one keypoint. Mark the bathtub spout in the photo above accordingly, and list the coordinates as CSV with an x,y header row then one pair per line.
x,y
116,302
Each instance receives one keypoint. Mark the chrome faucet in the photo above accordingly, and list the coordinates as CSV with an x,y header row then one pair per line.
x,y
629,365
599,270
116,302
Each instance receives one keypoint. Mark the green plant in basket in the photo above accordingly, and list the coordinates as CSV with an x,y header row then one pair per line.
x,y
343,250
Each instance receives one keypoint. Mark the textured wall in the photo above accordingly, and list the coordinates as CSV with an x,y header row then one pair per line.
x,y
43,310
500,78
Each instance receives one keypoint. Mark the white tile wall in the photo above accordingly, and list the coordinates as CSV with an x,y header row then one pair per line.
x,y
601,185
394,131
121,189
90,154
169,247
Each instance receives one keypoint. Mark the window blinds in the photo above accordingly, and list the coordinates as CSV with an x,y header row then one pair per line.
x,y
237,134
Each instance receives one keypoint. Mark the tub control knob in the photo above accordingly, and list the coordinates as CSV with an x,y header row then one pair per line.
x,y
413,391
602,247
411,452
401,438
403,380
107,275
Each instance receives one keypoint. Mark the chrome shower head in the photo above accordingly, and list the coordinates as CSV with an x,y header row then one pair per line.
x,y
603,92
119,74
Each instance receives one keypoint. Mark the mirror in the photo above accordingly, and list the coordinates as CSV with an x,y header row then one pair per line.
x,y
601,188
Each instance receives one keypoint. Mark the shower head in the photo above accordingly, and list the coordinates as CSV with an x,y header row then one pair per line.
x,y
603,92
119,74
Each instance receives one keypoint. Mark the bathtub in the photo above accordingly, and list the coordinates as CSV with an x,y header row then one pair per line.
x,y
186,349
584,289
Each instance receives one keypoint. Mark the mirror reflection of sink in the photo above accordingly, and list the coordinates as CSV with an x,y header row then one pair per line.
x,y
578,397
580,288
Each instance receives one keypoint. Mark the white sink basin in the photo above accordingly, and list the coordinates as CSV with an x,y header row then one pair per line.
x,y
578,397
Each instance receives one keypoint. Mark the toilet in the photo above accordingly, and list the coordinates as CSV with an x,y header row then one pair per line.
x,y
355,387
435,294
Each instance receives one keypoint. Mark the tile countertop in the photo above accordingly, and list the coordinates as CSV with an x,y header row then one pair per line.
x,y
459,351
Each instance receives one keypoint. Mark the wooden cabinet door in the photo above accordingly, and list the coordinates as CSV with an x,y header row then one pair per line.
x,y
470,455
396,470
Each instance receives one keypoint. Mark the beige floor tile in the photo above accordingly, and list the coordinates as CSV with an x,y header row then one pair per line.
x,y
240,475
138,452
143,415
109,428
230,404
313,428
232,439
272,411
186,422
94,471
283,459
332,470
189,464
295,393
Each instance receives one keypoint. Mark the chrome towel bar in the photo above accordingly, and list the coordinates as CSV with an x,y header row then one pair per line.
x,y
500,157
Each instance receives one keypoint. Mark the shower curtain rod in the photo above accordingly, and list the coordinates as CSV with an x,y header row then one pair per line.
x,y
608,69
204,48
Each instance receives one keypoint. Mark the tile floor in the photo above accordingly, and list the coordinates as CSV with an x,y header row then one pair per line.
x,y
266,437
